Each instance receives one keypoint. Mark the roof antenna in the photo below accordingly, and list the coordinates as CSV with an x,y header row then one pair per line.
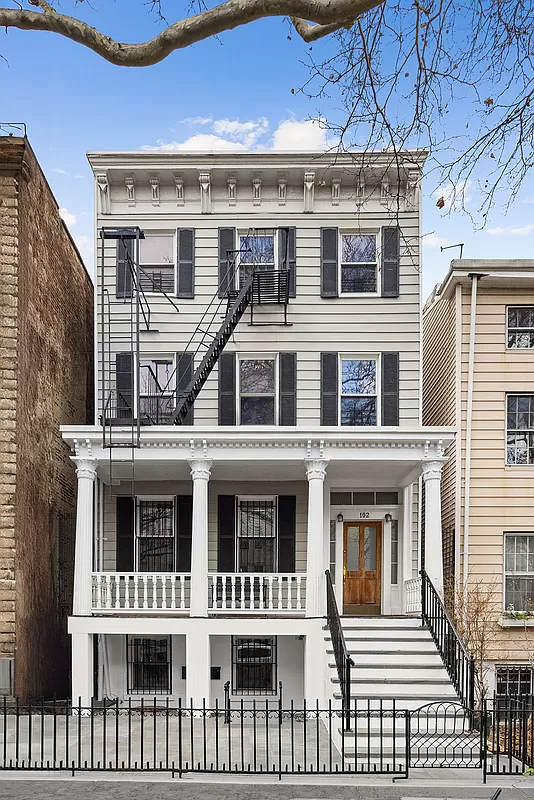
x,y
448,247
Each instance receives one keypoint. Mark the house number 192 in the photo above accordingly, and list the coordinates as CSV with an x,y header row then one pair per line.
x,y
364,515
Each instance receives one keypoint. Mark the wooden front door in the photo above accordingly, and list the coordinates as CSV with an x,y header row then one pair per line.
x,y
362,559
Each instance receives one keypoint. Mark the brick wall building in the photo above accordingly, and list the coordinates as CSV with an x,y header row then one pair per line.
x,y
46,363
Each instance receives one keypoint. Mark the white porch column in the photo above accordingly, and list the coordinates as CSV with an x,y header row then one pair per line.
x,y
200,472
197,669
315,580
83,554
433,535
82,669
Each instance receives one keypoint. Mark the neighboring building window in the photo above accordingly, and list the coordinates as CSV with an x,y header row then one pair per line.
x,y
513,681
256,534
257,252
156,391
394,552
359,271
257,391
520,429
149,665
253,666
155,536
156,262
359,392
521,327
519,571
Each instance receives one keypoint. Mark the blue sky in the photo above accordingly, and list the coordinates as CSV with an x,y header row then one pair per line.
x,y
235,90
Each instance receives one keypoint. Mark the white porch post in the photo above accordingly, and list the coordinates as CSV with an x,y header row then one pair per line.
x,y
433,535
82,669
200,473
197,669
83,554
315,583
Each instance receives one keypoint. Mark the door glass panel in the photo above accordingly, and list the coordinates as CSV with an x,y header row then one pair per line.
x,y
353,548
369,548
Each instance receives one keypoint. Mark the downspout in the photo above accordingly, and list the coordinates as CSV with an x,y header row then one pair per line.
x,y
459,428
469,424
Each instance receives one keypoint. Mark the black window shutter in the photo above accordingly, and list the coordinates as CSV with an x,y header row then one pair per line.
x,y
287,256
288,389
184,532
227,238
329,388
286,532
226,533
390,388
329,262
227,389
125,248
184,373
124,385
390,262
185,238
125,522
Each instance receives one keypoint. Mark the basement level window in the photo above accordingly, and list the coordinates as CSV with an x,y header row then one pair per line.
x,y
513,681
254,666
149,665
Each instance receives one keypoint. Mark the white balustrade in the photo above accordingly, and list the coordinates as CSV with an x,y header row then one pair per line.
x,y
266,593
137,592
412,589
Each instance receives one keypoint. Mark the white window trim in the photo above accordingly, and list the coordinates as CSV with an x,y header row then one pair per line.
x,y
151,498
368,232
258,357
170,234
169,638
366,357
252,497
514,574
242,232
517,349
514,467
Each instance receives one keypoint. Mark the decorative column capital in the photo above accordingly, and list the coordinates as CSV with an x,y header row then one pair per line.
x,y
431,470
316,468
201,469
85,467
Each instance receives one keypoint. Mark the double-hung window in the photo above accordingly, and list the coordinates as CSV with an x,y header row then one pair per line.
x,y
156,391
149,665
359,392
520,429
519,571
257,253
256,534
156,264
359,264
520,327
257,391
254,666
155,535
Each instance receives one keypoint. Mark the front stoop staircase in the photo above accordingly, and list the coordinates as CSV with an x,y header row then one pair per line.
x,y
398,669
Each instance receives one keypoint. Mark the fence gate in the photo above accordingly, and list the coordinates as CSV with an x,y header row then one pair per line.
x,y
445,734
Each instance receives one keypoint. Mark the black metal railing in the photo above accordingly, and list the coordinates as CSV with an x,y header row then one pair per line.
x,y
509,734
344,662
457,660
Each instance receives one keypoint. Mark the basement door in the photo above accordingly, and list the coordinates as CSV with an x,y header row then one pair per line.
x,y
362,567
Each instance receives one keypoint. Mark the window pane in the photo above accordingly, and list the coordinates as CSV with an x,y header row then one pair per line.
x,y
519,592
369,548
358,377
257,411
257,377
257,249
387,498
358,279
256,555
156,250
363,498
155,555
156,518
358,411
256,518
341,498
394,552
358,249
353,548
333,550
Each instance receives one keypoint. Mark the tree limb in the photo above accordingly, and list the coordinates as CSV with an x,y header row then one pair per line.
x,y
328,16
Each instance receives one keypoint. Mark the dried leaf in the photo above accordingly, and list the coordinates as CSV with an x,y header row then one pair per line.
x,y
441,202
488,101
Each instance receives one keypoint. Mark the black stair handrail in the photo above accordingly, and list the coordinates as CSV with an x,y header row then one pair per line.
x,y
344,662
456,658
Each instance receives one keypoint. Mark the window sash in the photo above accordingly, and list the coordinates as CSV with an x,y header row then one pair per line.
x,y
519,571
519,429
258,407
148,665
155,535
520,336
358,277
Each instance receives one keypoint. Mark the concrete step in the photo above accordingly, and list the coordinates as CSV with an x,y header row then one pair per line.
x,y
428,704
381,622
365,687
381,645
391,635
386,658
392,672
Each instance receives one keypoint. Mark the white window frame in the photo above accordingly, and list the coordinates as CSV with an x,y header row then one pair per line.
x,y
152,498
518,349
368,232
258,357
351,357
251,498
256,231
506,429
137,373
171,234
514,574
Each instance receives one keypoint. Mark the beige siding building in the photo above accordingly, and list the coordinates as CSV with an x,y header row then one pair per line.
x,y
478,374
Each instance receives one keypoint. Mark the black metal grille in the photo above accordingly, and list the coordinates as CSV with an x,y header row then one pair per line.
x,y
157,279
449,555
257,535
514,681
149,666
254,666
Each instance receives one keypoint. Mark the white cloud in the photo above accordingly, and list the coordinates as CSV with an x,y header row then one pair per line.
x,y
67,174
67,217
245,132
456,196
524,231
293,134
86,248
196,120
201,141
432,241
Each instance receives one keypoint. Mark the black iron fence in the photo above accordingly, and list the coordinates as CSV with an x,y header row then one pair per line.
x,y
344,662
509,728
